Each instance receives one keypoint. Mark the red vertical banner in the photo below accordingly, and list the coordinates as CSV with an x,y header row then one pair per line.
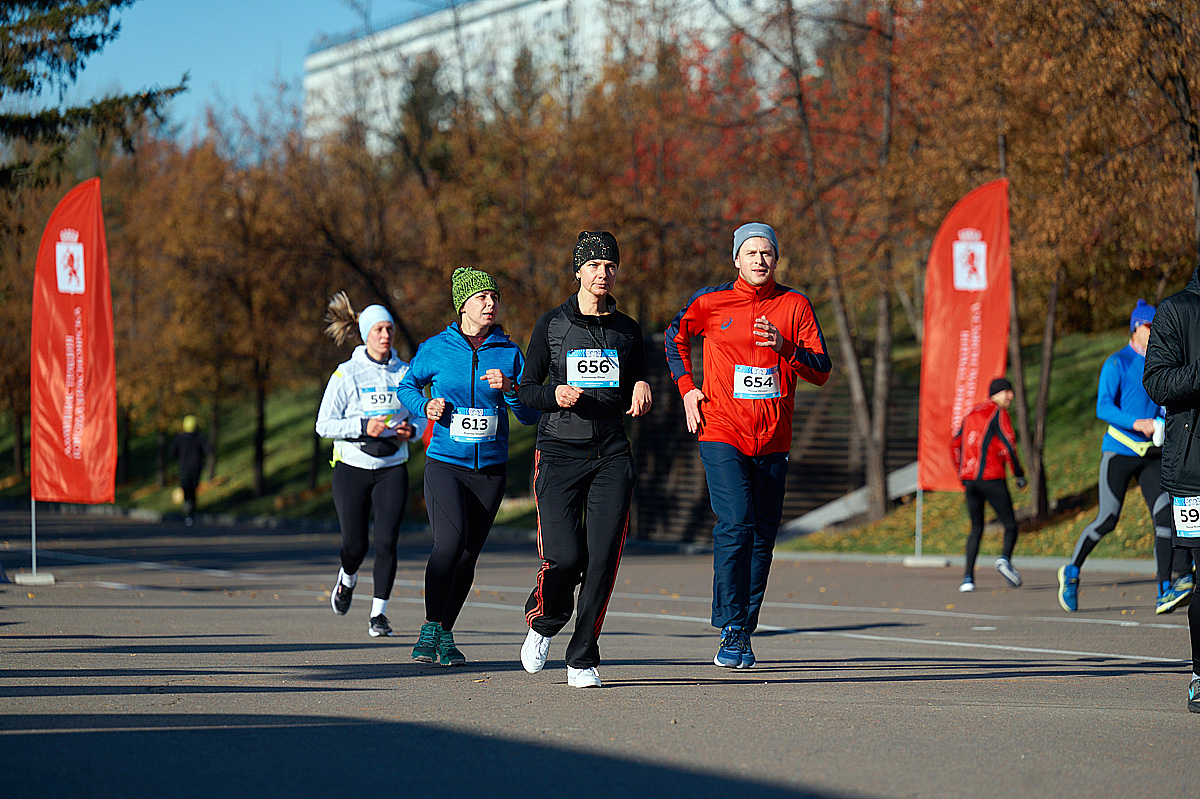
x,y
967,285
73,418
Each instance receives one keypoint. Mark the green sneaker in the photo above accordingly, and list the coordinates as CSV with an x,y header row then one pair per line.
x,y
427,642
447,652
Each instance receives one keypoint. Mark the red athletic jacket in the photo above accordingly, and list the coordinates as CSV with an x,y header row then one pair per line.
x,y
754,423
984,443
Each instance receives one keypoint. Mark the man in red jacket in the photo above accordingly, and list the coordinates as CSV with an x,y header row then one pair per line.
x,y
760,338
981,448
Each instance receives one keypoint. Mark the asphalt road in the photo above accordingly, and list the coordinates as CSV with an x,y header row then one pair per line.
x,y
169,661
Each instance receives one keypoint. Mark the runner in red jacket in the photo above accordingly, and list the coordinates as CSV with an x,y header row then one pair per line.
x,y
982,448
760,338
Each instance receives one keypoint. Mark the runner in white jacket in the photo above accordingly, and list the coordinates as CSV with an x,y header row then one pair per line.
x,y
371,429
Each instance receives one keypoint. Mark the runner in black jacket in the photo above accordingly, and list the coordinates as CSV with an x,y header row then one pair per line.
x,y
1172,379
591,360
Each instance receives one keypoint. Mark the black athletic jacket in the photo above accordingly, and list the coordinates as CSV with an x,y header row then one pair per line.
x,y
1172,379
595,426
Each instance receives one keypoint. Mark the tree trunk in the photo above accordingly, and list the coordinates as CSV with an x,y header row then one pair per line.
x,y
878,503
260,428
160,458
318,453
214,430
124,435
1040,498
19,444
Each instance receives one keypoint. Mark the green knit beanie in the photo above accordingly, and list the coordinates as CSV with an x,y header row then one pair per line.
x,y
467,281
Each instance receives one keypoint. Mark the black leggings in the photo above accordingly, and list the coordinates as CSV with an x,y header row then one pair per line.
x,y
1115,473
462,505
1194,625
995,493
358,494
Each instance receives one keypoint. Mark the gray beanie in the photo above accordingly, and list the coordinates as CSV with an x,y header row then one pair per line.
x,y
752,230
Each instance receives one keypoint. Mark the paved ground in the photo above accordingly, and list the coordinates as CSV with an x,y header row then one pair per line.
x,y
193,662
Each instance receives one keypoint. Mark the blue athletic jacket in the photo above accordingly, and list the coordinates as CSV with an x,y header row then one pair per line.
x,y
453,369
1121,399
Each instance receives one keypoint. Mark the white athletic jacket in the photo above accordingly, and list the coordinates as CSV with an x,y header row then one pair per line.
x,y
358,390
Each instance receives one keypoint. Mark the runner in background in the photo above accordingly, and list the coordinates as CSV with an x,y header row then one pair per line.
x,y
471,369
1129,451
981,448
1172,379
191,449
585,371
759,339
370,427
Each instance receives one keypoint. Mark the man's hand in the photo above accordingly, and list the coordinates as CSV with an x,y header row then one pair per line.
x,y
691,408
1022,482
641,399
496,379
435,408
768,333
375,426
1144,426
567,396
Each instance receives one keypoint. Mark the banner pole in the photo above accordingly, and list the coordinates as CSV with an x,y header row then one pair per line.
x,y
33,578
33,531
920,515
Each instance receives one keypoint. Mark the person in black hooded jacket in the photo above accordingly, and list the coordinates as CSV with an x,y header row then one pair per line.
x,y
585,371
1172,379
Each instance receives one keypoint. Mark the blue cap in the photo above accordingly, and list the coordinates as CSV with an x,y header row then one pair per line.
x,y
1143,314
371,316
752,230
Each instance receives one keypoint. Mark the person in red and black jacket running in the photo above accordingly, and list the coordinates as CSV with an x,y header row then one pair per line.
x,y
981,448
759,339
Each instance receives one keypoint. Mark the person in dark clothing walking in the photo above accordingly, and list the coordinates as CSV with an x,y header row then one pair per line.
x,y
191,449
585,371
1172,379
981,448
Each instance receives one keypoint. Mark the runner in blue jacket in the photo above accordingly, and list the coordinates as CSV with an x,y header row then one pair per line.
x,y
471,369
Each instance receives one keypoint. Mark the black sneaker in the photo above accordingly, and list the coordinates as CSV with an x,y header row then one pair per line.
x,y
1194,695
379,626
340,598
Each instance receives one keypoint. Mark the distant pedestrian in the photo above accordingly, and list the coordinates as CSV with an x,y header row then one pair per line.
x,y
1172,379
585,371
760,339
1129,451
471,369
191,449
371,428
982,447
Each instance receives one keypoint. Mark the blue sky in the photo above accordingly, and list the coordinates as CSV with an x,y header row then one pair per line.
x,y
233,49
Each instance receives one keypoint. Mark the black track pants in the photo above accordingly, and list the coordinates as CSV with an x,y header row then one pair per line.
x,y
583,518
359,493
995,493
462,505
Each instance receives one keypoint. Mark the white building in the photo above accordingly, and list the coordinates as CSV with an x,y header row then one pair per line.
x,y
478,41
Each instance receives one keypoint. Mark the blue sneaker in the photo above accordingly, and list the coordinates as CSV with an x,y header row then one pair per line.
x,y
1185,584
1169,598
747,653
729,653
1068,587
1194,695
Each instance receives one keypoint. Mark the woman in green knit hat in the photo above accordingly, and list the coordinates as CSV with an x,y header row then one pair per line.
x,y
471,369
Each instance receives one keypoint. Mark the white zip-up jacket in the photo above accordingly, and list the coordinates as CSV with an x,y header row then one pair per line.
x,y
360,389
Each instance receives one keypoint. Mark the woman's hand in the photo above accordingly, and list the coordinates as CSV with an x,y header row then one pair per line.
x,y
435,408
641,399
567,396
496,379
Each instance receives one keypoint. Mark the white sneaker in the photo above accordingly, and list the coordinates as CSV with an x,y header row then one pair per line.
x,y
1009,573
583,678
967,585
534,651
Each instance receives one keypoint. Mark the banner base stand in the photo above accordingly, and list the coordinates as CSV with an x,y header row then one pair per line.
x,y
926,561
41,578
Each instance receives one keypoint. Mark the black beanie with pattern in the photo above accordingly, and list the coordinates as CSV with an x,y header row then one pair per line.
x,y
596,245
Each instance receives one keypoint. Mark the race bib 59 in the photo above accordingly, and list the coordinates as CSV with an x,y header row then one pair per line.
x,y
1187,516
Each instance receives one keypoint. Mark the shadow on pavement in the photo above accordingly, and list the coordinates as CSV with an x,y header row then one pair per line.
x,y
276,756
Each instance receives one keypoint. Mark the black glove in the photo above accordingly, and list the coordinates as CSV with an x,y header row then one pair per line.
x,y
1022,482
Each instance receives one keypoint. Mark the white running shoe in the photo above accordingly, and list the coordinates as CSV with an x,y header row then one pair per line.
x,y
1009,573
583,678
534,651
967,585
